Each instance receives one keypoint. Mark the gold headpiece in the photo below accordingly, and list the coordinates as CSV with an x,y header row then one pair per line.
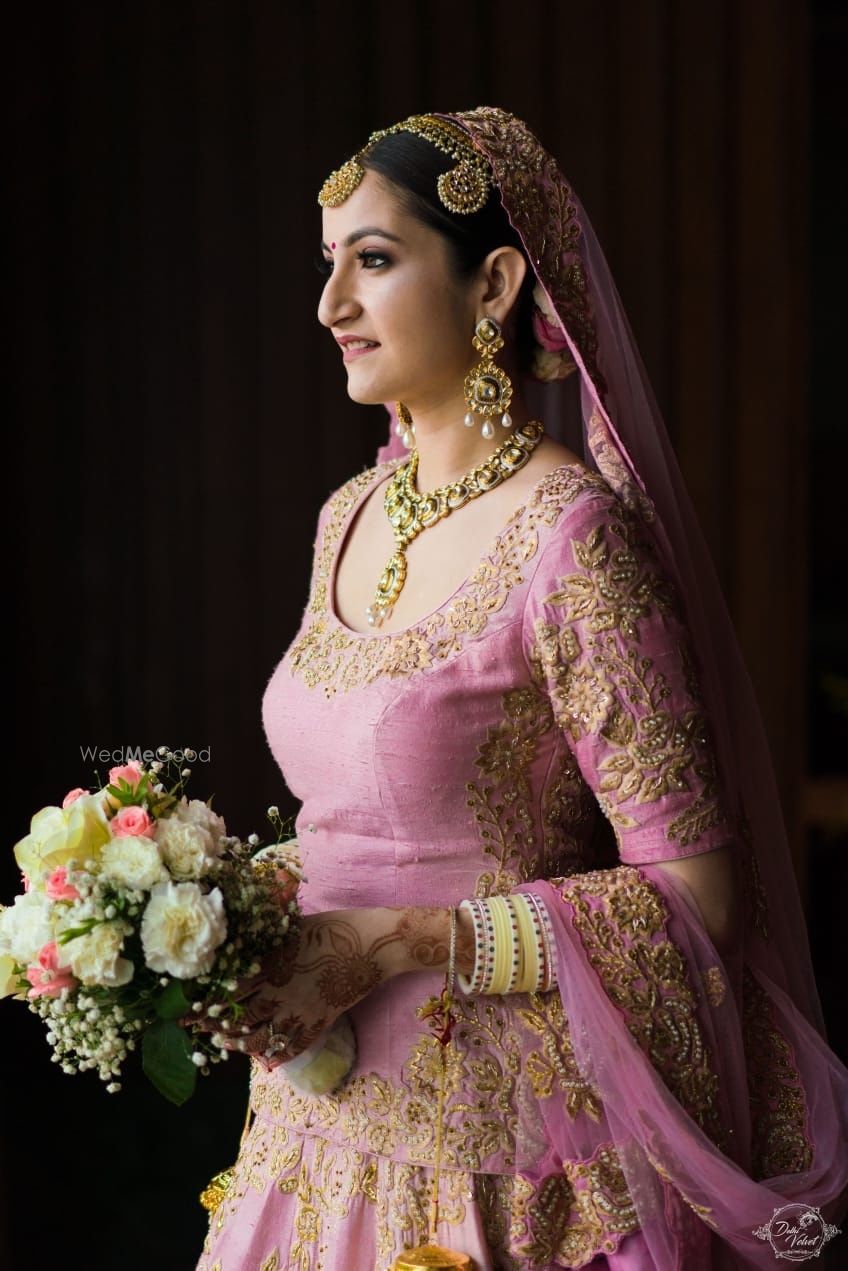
x,y
464,188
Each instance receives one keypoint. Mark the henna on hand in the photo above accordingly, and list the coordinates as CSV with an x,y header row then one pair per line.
x,y
345,966
424,934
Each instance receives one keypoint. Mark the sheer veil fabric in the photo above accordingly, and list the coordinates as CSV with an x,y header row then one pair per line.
x,y
770,1024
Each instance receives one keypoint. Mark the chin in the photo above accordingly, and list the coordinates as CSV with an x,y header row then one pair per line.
x,y
369,395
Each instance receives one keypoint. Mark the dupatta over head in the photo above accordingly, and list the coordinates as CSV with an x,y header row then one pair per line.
x,y
782,1111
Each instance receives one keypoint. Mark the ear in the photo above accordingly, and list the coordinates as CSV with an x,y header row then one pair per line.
x,y
501,276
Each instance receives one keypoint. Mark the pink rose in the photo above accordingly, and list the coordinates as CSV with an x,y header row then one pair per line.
x,y
130,772
131,822
48,978
57,886
73,795
547,333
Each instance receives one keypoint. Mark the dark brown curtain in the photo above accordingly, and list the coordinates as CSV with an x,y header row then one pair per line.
x,y
168,371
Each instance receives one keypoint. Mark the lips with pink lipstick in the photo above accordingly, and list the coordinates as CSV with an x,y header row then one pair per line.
x,y
355,346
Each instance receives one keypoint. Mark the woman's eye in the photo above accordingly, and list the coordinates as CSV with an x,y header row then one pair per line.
x,y
325,266
371,256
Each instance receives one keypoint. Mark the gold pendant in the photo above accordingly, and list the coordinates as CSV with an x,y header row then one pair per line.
x,y
388,589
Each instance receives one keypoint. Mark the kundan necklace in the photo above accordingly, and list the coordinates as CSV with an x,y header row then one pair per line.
x,y
411,512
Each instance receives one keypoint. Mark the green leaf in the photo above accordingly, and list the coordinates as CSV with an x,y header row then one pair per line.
x,y
166,1060
173,1003
71,933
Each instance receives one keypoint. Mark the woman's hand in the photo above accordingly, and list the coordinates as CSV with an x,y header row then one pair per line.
x,y
340,956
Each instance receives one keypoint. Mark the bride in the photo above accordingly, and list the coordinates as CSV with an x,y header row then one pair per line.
x,y
527,753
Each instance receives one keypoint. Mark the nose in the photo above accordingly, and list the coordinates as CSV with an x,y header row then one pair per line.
x,y
337,304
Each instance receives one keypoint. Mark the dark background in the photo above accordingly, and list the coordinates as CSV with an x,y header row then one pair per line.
x,y
179,416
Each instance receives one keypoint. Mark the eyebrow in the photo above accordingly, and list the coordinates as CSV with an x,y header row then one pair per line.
x,y
364,233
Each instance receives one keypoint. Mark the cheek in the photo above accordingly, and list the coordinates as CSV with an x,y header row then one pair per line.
x,y
422,319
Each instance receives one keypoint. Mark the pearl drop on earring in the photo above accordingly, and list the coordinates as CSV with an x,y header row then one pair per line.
x,y
469,420
506,419
488,430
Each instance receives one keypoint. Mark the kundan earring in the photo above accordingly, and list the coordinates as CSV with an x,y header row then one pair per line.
x,y
404,427
488,388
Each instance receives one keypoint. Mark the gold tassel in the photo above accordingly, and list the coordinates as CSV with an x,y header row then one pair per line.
x,y
441,1018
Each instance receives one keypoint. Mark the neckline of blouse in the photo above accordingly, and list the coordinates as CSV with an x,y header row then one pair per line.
x,y
344,528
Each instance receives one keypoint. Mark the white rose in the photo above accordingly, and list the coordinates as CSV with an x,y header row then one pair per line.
x,y
95,959
188,850
133,861
549,366
182,928
26,926
544,304
195,812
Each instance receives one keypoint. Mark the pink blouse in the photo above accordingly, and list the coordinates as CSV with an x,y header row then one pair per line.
x,y
469,754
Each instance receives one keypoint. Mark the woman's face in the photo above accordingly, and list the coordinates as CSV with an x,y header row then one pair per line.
x,y
394,285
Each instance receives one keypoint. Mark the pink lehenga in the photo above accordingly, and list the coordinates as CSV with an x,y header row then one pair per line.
x,y
582,690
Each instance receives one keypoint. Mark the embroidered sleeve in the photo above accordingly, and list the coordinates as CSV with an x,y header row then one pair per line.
x,y
605,637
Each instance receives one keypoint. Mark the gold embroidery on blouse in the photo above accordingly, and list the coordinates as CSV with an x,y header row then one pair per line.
x,y
327,655
567,1218
503,810
553,1069
599,686
780,1142
647,980
272,1262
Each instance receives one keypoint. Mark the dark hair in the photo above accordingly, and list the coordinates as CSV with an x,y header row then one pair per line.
x,y
414,165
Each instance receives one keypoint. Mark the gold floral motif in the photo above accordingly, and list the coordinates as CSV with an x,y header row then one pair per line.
x,y
503,810
328,655
385,1116
553,1069
271,1263
645,975
781,1143
568,1218
714,985
598,686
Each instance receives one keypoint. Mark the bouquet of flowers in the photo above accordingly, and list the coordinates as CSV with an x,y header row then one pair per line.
x,y
139,910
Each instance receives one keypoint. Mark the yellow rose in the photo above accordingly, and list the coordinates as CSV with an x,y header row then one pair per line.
x,y
63,836
8,979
